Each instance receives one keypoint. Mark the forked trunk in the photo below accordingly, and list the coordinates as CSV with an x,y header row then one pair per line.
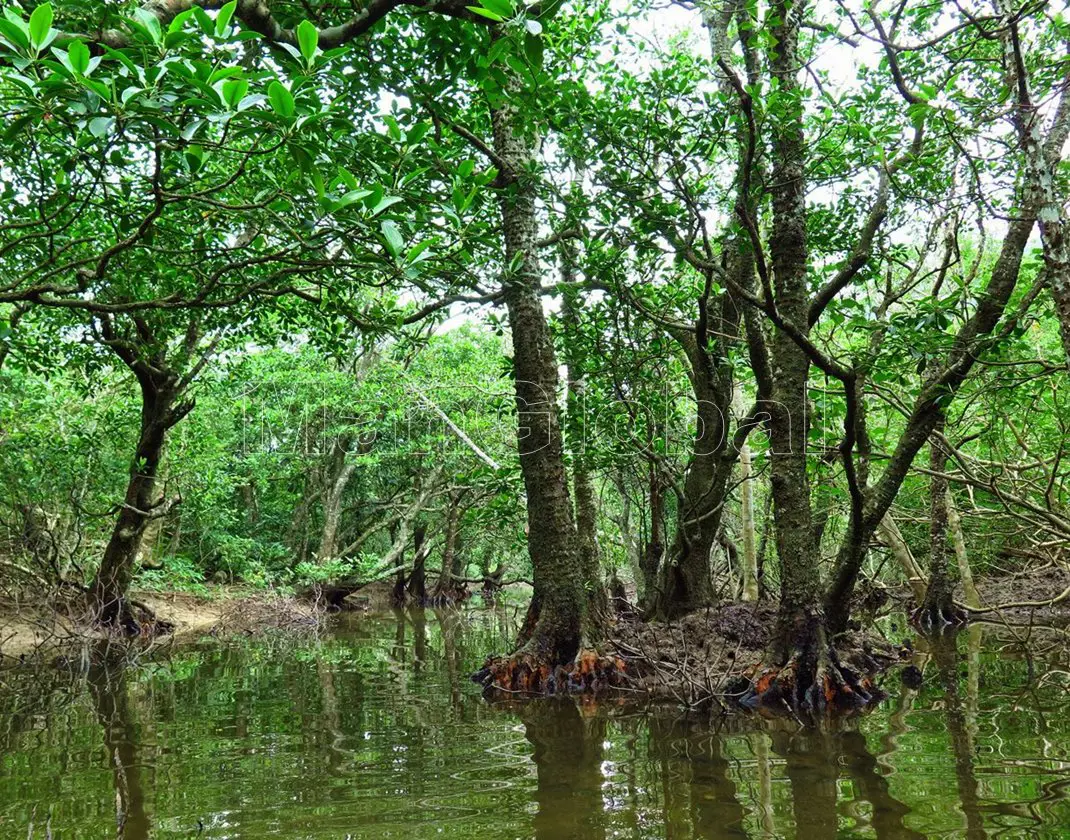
x,y
803,671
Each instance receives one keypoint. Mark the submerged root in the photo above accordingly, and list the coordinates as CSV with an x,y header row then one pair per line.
x,y
525,672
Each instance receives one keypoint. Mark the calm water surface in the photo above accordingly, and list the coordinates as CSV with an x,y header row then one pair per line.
x,y
375,732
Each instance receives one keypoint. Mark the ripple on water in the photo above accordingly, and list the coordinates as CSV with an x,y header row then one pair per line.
x,y
357,736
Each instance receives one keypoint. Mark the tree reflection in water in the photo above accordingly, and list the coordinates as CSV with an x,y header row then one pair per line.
x,y
377,731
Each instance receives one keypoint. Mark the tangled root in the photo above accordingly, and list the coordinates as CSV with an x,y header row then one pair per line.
x,y
828,685
589,672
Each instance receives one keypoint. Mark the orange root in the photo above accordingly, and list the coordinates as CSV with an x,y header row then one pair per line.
x,y
530,674
828,686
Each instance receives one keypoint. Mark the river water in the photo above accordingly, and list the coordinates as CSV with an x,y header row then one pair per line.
x,y
373,731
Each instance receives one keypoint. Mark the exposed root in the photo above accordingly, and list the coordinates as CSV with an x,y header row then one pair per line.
x,y
527,673
447,598
818,680
936,617
131,618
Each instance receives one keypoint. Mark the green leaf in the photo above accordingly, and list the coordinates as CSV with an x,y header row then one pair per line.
x,y
78,53
307,39
151,24
194,157
17,126
234,90
14,33
533,49
351,197
479,10
382,205
418,252
99,126
393,238
502,8
40,24
222,20
281,99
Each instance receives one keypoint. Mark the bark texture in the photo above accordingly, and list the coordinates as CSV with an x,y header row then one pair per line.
x,y
554,629
586,507
161,409
938,608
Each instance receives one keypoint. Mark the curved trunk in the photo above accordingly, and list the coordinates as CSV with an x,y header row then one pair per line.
x,y
141,503
685,583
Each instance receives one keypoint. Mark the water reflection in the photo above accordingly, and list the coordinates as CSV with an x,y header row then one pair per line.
x,y
107,686
376,732
568,753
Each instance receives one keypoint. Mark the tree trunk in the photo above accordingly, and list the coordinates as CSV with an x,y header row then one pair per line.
x,y
803,670
654,549
399,533
492,584
799,627
627,533
901,552
958,541
450,587
341,471
417,585
160,411
557,614
552,539
938,609
685,582
746,526
586,508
